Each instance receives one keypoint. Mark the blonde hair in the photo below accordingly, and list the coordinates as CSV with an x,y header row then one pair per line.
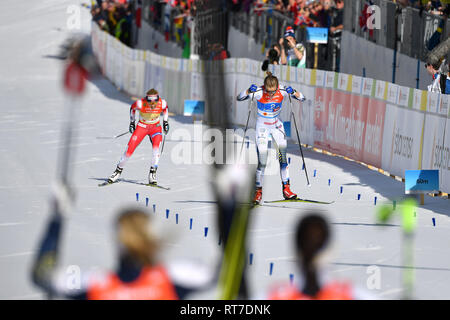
x,y
135,235
270,80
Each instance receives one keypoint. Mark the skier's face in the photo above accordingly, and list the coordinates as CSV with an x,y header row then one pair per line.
x,y
271,91
152,101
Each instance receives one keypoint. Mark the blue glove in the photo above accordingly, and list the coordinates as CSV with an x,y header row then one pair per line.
x,y
252,88
290,90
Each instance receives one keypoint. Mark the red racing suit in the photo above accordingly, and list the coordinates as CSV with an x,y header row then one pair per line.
x,y
331,291
152,284
148,125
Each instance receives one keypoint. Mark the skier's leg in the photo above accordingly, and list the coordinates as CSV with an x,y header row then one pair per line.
x,y
156,139
280,140
279,137
135,140
261,149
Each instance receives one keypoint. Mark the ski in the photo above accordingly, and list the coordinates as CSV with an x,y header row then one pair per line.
x,y
155,186
266,205
106,183
299,200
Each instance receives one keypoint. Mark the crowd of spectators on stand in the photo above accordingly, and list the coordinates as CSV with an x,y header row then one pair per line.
x,y
320,13
439,8
114,17
307,13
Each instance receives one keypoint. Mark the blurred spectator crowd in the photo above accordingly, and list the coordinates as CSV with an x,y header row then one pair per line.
x,y
308,13
114,17
439,8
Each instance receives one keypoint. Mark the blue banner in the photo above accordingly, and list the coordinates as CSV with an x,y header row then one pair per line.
x,y
194,107
317,35
421,181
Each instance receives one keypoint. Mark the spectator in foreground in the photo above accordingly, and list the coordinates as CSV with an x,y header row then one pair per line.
x,y
292,53
312,237
139,275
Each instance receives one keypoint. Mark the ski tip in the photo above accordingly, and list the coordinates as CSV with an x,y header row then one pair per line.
x,y
308,185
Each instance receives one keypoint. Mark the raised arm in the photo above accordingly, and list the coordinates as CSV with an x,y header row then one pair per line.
x,y
244,95
44,272
287,90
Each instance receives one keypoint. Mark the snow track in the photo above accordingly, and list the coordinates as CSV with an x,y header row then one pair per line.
x,y
30,121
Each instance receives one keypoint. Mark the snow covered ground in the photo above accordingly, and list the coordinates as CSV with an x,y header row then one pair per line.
x,y
32,104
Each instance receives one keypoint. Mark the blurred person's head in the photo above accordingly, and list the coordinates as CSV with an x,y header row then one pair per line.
x,y
312,237
270,84
339,4
136,238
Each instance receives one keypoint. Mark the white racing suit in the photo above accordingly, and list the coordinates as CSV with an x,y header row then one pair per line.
x,y
268,124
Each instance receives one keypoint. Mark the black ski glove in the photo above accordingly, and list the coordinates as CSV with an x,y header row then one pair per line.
x,y
166,127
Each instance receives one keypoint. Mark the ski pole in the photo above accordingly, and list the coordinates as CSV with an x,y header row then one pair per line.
x,y
114,137
246,125
298,138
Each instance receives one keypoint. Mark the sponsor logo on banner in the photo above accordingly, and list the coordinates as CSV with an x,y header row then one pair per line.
x,y
342,81
345,124
367,86
379,89
441,154
432,101
417,98
392,93
329,79
443,159
402,140
320,78
403,96
356,84
435,155
444,104
374,132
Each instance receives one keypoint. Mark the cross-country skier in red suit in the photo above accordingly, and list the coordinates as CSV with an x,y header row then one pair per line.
x,y
150,109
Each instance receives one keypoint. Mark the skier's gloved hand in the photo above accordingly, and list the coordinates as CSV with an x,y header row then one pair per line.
x,y
252,88
166,127
132,127
290,90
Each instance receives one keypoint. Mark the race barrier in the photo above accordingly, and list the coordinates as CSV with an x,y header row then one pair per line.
x,y
380,124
